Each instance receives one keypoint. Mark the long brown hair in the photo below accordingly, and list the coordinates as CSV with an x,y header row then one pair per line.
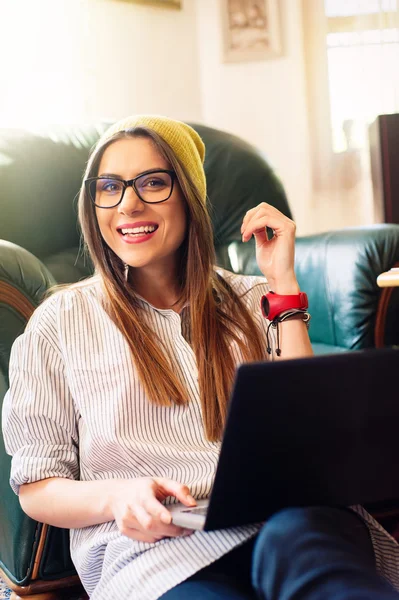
x,y
218,316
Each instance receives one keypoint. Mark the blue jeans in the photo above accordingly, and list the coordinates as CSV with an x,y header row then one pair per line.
x,y
299,554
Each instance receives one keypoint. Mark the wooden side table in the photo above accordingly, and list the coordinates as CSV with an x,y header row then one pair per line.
x,y
387,516
389,278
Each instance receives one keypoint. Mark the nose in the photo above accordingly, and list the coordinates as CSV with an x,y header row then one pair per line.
x,y
130,202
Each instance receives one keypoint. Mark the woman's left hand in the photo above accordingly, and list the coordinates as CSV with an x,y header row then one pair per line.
x,y
275,257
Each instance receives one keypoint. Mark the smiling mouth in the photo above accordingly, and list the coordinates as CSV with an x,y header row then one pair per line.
x,y
135,232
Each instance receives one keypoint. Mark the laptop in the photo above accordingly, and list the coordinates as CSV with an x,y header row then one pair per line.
x,y
322,430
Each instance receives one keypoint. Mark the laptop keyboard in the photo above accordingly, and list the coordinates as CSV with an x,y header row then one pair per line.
x,y
198,510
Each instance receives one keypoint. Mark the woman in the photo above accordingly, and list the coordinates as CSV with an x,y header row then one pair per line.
x,y
119,388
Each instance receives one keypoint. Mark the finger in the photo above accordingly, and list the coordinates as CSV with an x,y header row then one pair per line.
x,y
175,531
131,528
162,518
262,208
152,525
248,216
257,227
146,522
171,530
258,224
157,510
176,489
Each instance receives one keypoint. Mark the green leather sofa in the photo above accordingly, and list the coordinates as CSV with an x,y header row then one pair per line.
x,y
40,175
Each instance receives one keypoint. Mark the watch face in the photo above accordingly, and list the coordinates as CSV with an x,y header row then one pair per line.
x,y
276,304
265,306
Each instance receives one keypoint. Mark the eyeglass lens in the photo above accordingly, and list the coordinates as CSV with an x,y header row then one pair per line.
x,y
151,187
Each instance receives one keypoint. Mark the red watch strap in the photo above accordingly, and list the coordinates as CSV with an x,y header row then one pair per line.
x,y
273,304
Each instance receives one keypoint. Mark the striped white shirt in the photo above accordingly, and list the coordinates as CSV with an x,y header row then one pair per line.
x,y
76,409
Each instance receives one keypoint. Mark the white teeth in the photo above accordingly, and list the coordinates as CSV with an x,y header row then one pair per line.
x,y
142,229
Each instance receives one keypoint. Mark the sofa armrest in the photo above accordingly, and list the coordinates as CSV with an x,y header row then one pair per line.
x,y
29,551
23,283
339,271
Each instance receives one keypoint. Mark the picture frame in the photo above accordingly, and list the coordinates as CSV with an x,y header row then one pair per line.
x,y
251,30
176,4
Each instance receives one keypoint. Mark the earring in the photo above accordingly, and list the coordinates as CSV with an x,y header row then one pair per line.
x,y
126,273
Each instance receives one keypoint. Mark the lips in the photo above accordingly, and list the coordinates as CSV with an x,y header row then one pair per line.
x,y
136,225
138,232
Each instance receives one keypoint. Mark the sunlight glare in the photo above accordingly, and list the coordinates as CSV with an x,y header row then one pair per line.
x,y
42,74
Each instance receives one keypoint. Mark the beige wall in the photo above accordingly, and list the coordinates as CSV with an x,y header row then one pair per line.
x,y
110,58
264,102
153,55
103,59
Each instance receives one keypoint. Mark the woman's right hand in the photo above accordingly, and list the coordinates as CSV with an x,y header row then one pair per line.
x,y
136,505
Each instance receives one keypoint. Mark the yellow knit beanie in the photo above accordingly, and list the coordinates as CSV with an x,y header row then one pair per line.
x,y
183,140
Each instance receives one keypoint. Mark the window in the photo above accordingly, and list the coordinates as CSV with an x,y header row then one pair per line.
x,y
363,75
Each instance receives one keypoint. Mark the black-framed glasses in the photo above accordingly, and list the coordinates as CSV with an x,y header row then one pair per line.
x,y
152,187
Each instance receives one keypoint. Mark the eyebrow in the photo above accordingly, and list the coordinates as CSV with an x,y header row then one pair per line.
x,y
148,172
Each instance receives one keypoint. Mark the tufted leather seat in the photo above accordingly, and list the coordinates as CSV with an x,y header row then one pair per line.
x,y
40,175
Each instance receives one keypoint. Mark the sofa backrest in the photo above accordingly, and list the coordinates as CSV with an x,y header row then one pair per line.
x,y
239,177
41,174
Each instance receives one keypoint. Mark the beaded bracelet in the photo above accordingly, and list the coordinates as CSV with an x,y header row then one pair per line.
x,y
295,313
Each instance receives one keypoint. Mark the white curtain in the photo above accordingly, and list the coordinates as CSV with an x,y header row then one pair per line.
x,y
352,58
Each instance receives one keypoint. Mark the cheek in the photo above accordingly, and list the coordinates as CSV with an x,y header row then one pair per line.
x,y
103,223
179,222
99,219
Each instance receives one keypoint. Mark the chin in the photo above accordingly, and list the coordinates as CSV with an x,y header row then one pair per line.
x,y
136,263
136,259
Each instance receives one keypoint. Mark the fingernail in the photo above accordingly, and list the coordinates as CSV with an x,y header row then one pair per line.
x,y
190,499
187,531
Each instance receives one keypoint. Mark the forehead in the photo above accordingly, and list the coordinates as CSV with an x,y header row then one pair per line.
x,y
130,156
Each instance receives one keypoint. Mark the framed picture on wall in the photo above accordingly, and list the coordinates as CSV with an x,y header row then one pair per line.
x,y
165,3
251,30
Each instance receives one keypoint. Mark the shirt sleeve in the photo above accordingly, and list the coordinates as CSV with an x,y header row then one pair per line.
x,y
39,420
251,288
256,290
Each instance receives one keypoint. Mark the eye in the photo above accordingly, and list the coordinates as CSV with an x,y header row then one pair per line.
x,y
109,186
153,182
